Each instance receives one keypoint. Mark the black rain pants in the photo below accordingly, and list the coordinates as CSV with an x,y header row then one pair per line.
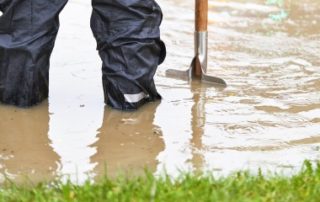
x,y
128,41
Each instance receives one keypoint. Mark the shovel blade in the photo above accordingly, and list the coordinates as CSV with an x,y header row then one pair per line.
x,y
199,66
214,80
187,76
179,74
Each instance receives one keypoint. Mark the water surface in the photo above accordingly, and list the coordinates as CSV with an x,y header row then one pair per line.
x,y
268,117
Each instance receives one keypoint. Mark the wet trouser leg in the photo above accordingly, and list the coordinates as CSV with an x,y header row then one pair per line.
x,y
128,38
28,30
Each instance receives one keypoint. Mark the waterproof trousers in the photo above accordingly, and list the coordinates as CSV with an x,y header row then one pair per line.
x,y
128,40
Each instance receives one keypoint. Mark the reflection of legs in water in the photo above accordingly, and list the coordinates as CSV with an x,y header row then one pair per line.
x,y
128,141
25,149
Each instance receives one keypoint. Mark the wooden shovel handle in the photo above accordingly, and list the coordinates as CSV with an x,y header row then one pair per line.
x,y
201,15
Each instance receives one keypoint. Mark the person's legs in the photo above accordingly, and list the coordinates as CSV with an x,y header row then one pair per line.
x,y
128,38
28,29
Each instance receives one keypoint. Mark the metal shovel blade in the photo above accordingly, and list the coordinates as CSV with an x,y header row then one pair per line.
x,y
202,66
178,74
189,75
214,80
198,67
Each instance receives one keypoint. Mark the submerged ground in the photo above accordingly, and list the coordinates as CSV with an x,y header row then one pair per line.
x,y
268,116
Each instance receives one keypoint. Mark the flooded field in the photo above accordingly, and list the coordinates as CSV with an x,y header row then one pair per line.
x,y
268,117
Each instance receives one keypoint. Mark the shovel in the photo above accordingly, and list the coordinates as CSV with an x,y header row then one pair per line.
x,y
198,68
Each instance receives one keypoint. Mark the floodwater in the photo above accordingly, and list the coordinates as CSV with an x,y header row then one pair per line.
x,y
268,117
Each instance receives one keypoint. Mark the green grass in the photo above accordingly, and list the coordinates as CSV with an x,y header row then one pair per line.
x,y
241,186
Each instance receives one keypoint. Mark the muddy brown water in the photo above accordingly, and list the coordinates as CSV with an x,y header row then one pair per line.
x,y
268,117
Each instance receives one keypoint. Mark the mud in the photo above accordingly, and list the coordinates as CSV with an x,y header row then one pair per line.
x,y
268,117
